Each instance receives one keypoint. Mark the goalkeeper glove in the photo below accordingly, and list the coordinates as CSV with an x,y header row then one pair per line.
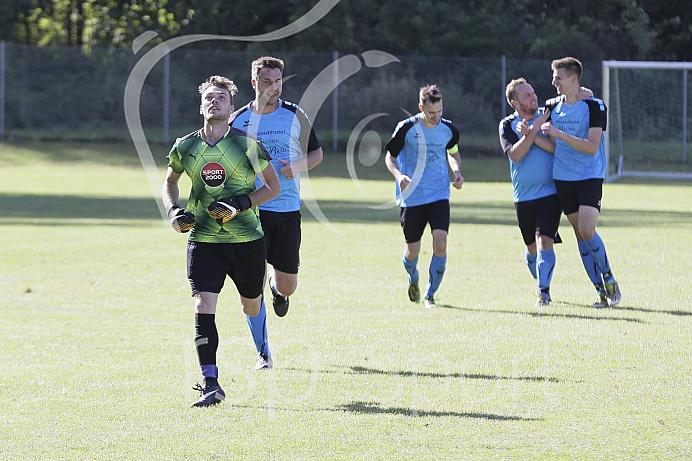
x,y
226,209
182,220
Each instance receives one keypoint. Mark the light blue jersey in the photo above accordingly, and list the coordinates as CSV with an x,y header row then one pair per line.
x,y
576,119
532,176
421,154
286,134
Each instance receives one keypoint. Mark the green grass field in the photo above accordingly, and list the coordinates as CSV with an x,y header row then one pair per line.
x,y
97,328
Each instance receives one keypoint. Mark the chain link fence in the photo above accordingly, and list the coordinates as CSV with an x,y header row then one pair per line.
x,y
65,93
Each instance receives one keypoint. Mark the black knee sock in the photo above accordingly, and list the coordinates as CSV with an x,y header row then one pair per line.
x,y
206,343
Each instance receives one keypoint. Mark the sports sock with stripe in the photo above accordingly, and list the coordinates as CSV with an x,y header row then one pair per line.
x,y
258,328
598,252
589,263
531,263
207,343
437,271
411,269
545,264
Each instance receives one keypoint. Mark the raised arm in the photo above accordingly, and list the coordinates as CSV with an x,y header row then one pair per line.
x,y
588,146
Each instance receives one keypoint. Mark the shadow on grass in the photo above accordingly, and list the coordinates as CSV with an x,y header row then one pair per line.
x,y
31,207
547,314
651,311
373,408
486,212
376,408
491,212
418,374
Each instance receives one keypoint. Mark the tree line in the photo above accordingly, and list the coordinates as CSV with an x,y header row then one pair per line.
x,y
533,29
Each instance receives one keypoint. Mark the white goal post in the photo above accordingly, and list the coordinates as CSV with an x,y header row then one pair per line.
x,y
648,118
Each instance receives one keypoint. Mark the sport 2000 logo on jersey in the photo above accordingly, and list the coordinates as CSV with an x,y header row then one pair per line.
x,y
213,174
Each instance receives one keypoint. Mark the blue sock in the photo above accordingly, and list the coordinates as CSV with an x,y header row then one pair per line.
x,y
258,328
598,252
210,371
545,264
410,266
589,263
437,271
531,262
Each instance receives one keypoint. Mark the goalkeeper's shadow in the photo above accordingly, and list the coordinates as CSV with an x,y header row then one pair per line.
x,y
547,314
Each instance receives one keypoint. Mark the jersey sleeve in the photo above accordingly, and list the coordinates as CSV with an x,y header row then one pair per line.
x,y
598,115
454,141
508,137
396,143
313,142
175,159
309,143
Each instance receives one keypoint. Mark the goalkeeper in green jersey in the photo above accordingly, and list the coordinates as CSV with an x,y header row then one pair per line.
x,y
226,236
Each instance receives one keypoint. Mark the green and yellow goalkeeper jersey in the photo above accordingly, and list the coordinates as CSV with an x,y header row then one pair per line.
x,y
222,171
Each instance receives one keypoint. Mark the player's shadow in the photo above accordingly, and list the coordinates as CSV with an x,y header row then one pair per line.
x,y
363,407
549,314
418,374
376,408
29,207
649,311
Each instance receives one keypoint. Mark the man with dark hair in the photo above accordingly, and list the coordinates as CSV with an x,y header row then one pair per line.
x,y
579,170
226,237
287,134
417,156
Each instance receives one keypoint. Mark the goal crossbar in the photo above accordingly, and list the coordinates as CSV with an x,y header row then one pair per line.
x,y
658,65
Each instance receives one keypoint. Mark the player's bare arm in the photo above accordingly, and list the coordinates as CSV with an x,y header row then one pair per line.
x,y
401,178
454,161
291,169
584,93
529,133
171,191
588,146
182,220
544,142
270,186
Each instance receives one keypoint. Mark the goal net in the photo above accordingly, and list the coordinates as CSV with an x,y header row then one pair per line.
x,y
649,118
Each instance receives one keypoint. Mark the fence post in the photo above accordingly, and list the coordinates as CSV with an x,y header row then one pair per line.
x,y
2,89
166,95
503,108
335,104
684,116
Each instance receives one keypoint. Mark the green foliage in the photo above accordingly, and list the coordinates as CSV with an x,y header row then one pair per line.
x,y
609,29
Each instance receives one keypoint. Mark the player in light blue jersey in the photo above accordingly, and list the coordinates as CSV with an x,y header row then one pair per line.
x,y
530,155
287,134
417,156
580,164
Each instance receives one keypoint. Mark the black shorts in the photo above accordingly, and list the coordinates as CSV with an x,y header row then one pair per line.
x,y
574,194
539,217
282,239
208,264
414,218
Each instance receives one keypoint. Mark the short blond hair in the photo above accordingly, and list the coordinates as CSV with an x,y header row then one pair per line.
x,y
571,65
511,89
